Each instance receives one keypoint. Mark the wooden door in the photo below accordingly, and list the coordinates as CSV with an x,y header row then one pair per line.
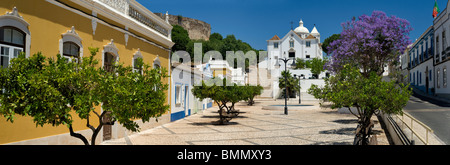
x,y
107,129
109,60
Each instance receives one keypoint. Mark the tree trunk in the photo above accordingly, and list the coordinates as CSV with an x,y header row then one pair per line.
x,y
251,102
95,131
364,130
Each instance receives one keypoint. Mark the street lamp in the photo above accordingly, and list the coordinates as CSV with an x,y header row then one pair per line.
x,y
285,60
299,89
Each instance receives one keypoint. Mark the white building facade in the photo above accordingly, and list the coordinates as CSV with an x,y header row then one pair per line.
x,y
441,26
421,62
297,43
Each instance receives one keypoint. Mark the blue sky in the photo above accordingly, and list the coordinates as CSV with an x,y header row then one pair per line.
x,y
256,21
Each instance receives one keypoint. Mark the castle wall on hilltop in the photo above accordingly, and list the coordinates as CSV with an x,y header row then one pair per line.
x,y
197,29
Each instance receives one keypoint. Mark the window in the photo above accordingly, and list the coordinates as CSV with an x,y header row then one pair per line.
x,y
136,58
275,45
444,77
417,78
308,44
71,51
437,48
156,62
308,56
178,95
109,60
11,44
110,56
136,67
420,78
437,78
12,36
431,75
443,40
291,44
70,46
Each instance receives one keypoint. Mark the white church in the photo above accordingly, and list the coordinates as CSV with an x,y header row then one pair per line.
x,y
297,43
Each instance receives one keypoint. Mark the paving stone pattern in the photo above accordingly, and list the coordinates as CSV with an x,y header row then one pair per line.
x,y
308,125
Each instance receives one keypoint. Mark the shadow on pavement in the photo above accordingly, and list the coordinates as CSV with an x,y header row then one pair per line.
x,y
347,121
333,143
342,131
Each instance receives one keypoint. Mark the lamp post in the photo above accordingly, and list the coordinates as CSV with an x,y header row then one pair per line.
x,y
285,60
299,89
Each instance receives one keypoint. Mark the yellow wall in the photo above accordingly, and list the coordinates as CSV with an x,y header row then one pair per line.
x,y
47,23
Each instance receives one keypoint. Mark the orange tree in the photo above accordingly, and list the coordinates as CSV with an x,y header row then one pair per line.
x,y
49,90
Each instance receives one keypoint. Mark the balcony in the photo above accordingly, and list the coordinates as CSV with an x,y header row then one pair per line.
x,y
137,12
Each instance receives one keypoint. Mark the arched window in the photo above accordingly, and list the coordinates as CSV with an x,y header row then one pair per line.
x,y
136,57
14,36
70,46
71,51
110,56
12,43
156,62
109,61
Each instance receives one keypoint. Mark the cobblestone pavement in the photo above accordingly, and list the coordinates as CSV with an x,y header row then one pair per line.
x,y
308,124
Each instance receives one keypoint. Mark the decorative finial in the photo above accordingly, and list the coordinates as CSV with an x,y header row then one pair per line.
x,y
14,12
167,16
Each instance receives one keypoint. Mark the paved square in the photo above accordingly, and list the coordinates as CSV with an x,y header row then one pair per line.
x,y
305,125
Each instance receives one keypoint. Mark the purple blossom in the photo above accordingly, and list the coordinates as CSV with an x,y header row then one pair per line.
x,y
370,42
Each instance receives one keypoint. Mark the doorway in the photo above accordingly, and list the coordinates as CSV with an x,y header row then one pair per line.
x,y
109,60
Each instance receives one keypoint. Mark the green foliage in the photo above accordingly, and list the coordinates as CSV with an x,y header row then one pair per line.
x,y
180,37
292,83
250,92
218,43
317,66
131,95
350,88
329,40
302,64
223,94
49,90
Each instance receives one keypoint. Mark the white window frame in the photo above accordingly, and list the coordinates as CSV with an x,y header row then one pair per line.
x,y
156,62
178,93
71,36
13,19
11,52
110,48
308,44
137,55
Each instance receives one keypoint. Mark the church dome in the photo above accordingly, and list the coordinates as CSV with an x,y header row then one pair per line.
x,y
301,29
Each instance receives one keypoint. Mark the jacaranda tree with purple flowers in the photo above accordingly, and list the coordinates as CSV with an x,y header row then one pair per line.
x,y
358,57
370,42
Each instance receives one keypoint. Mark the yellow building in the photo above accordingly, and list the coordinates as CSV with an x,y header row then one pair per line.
x,y
122,29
